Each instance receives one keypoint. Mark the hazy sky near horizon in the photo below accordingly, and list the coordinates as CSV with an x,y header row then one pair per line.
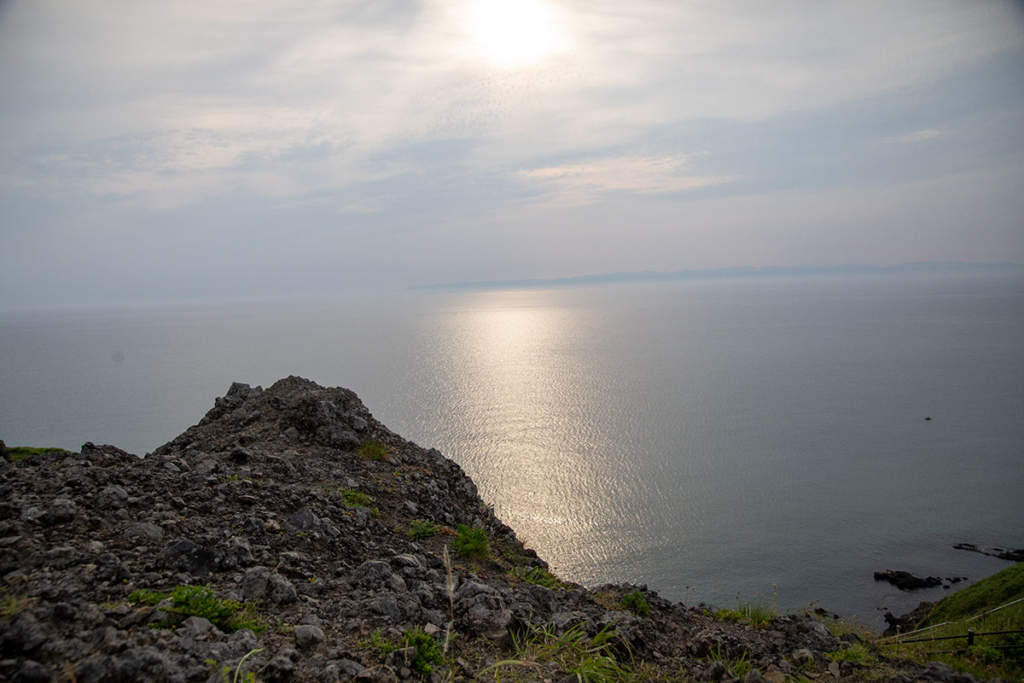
x,y
178,150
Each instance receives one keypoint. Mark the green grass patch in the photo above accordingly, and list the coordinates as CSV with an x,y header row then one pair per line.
x,y
428,650
539,576
17,453
857,653
422,528
984,595
10,604
356,499
372,450
200,601
738,666
377,642
760,615
636,603
586,659
471,543
150,598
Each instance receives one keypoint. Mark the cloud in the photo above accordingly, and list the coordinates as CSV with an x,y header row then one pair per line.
x,y
917,136
388,118
585,183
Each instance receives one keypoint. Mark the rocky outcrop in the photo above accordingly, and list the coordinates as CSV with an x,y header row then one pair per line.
x,y
907,622
295,508
906,581
1002,553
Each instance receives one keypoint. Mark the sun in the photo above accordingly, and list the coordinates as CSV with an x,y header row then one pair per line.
x,y
515,33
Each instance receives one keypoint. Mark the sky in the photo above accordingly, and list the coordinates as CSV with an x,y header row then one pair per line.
x,y
209,150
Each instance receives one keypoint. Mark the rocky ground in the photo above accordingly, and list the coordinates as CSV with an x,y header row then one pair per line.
x,y
297,509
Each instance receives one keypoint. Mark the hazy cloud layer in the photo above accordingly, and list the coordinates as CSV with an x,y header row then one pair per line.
x,y
204,149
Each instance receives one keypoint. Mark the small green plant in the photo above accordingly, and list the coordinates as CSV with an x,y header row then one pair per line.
x,y
10,604
422,528
372,450
225,671
229,477
377,642
428,651
471,542
637,603
146,597
587,659
539,576
356,499
760,615
857,653
200,601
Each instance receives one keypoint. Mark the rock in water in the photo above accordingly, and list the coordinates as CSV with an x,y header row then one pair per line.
x,y
906,581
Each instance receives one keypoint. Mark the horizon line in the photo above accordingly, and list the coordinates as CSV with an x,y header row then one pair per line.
x,y
713,273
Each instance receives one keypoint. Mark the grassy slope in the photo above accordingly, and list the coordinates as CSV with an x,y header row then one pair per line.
x,y
958,612
984,595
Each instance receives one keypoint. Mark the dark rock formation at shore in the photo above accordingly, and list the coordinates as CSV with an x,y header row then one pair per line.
x,y
296,503
907,622
906,581
1001,553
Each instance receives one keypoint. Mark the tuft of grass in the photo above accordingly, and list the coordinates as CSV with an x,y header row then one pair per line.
x,y
373,450
585,658
356,499
200,601
857,653
471,543
377,642
150,598
636,603
10,604
539,576
17,453
738,666
759,615
225,670
729,615
422,528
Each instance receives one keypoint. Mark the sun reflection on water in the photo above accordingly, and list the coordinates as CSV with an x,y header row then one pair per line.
x,y
536,451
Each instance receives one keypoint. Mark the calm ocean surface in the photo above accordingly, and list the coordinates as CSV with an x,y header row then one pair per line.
x,y
708,438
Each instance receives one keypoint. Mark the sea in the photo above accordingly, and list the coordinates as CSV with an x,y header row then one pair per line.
x,y
724,440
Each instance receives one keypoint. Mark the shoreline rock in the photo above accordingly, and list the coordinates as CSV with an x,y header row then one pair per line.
x,y
1001,553
906,581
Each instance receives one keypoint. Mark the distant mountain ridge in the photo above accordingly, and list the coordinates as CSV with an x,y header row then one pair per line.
x,y
720,273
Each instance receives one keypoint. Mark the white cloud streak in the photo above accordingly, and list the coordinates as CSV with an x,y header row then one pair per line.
x,y
586,183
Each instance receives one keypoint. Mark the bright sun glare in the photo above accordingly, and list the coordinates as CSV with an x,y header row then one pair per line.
x,y
514,33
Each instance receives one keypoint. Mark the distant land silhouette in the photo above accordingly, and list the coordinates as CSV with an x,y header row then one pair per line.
x,y
721,273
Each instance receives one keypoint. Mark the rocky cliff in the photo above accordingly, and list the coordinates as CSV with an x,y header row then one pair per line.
x,y
290,536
